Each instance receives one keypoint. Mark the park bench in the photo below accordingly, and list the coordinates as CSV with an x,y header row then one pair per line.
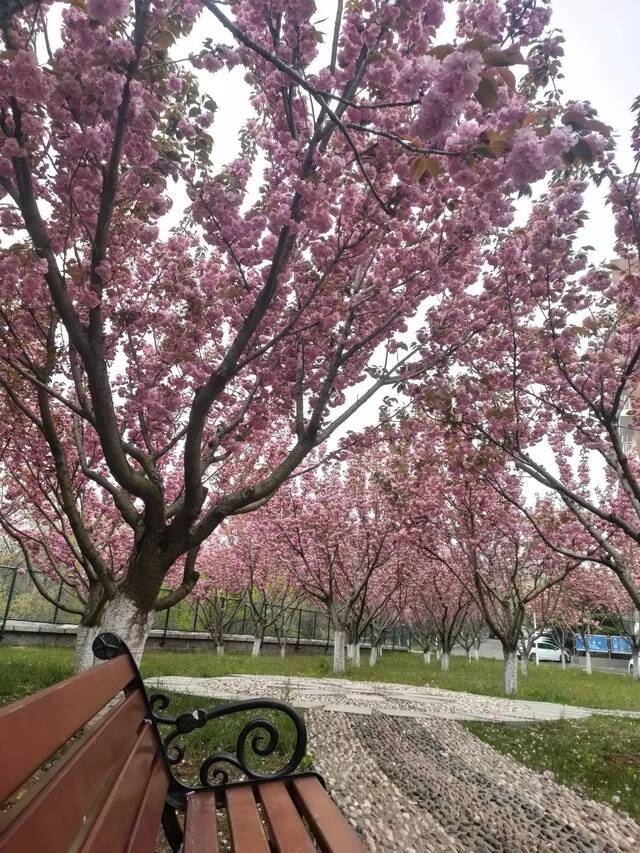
x,y
113,787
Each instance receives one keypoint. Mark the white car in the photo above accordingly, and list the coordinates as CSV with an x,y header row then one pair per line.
x,y
546,649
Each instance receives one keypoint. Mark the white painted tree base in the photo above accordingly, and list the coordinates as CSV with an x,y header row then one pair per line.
x,y
338,651
120,616
510,673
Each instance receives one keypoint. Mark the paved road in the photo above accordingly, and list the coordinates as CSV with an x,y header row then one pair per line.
x,y
493,649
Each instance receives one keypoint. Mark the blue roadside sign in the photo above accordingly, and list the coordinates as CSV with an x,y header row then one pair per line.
x,y
620,646
597,643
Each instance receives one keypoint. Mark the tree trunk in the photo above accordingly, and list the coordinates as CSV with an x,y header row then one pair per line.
x,y
122,617
510,672
468,655
356,654
220,649
587,661
524,663
426,657
476,650
283,649
444,661
338,650
563,660
636,663
373,656
257,645
350,651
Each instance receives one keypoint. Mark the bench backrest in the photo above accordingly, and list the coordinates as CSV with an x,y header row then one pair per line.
x,y
107,790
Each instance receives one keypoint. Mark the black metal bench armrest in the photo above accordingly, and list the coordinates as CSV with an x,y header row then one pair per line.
x,y
258,738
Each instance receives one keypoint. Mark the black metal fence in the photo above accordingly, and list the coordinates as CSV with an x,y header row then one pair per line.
x,y
20,600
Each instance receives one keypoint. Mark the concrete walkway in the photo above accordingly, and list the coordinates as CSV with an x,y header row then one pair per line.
x,y
366,697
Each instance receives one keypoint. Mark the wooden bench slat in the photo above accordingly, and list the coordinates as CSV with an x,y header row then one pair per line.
x,y
114,822
287,830
245,825
201,826
332,831
145,830
54,809
32,729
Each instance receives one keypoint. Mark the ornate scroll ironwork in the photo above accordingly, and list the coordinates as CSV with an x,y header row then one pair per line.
x,y
258,737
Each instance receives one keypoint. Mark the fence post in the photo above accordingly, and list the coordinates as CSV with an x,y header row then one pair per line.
x,y
166,624
299,621
57,607
7,608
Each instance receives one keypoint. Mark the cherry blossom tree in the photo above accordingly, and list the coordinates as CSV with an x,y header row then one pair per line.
x,y
169,369
459,518
422,630
441,601
472,632
555,388
383,611
538,619
343,543
219,595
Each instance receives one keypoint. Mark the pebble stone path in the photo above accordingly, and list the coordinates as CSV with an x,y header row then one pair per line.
x,y
412,780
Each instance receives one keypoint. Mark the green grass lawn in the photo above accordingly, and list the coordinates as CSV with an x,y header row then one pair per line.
x,y
599,756
25,669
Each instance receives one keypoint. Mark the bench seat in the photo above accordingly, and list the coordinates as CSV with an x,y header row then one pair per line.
x,y
280,816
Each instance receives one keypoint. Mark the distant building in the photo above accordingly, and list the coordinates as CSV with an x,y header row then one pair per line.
x,y
629,433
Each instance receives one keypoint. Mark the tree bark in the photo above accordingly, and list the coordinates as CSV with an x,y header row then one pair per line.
x,y
257,646
476,651
220,650
524,663
338,650
426,657
356,654
636,663
283,649
510,672
373,656
468,655
444,661
121,616
563,660
587,661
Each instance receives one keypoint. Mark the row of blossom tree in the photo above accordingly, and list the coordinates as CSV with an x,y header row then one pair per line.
x,y
165,371
395,536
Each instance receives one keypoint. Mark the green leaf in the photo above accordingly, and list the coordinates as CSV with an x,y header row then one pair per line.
x,y
511,56
487,93
422,166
